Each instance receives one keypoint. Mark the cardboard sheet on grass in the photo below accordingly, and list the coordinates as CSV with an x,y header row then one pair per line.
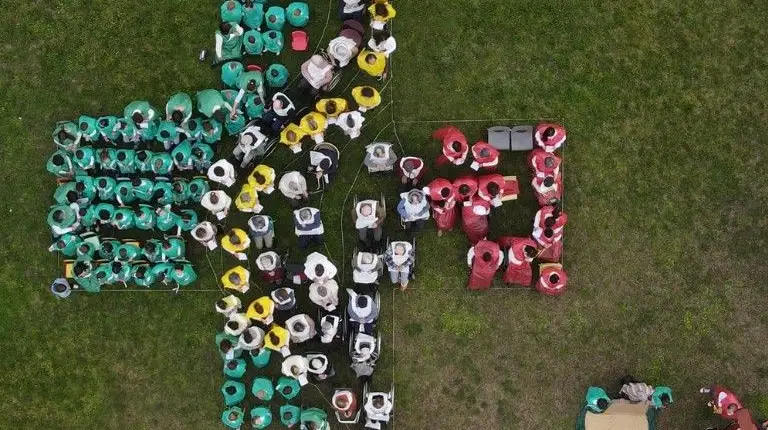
x,y
621,415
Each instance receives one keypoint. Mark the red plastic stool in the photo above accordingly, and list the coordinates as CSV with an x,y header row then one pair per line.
x,y
299,40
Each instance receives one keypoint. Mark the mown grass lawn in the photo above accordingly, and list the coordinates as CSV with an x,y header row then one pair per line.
x,y
665,182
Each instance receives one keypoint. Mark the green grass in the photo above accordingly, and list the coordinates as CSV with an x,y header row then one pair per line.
x,y
665,187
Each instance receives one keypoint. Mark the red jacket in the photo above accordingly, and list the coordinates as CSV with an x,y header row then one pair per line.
x,y
490,161
552,280
436,188
475,225
537,159
482,273
548,195
470,181
553,143
448,135
519,269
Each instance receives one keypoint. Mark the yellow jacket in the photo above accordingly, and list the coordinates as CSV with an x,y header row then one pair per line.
x,y
233,248
248,199
240,285
391,13
375,69
282,336
267,172
366,102
341,106
291,143
267,308
320,122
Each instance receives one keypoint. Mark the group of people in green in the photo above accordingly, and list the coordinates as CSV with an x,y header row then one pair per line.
x,y
232,39
106,261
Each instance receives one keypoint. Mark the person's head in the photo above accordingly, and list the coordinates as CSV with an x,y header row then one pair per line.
x,y
221,304
381,10
305,214
341,402
279,102
274,72
366,209
549,162
487,256
104,155
548,233
287,390
367,92
71,196
732,408
268,261
274,339
177,115
80,268
414,198
233,416
231,390
319,270
199,233
258,308
103,122
225,345
117,267
234,278
554,278
485,152
233,325
193,187
207,126
378,151
361,301
272,18
83,126
322,290
121,156
291,135
602,404
192,125
63,135
380,36
399,249
330,107
219,116
493,189
312,123
122,252
245,197
261,394
58,160
247,336
165,134
137,118
79,154
456,146
665,400
299,326
232,365
549,181
366,257
370,58
281,293
530,251
158,164
104,215
549,222
225,27
259,222
251,85
59,287
378,401
259,178
142,155
548,133
218,171
231,5
297,12
107,246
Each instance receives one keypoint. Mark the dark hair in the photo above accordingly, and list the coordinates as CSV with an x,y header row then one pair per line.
x,y
549,181
231,389
165,134
554,278
57,159
602,403
259,178
141,155
218,171
59,287
549,222
62,135
251,39
665,400
179,156
247,336
319,270
487,256
103,214
192,125
361,301
137,117
258,308
530,251
456,145
232,325
71,196
275,339
103,122
121,156
370,57
445,192
330,106
485,152
464,189
83,126
549,161
367,92
251,86
225,27
381,10
548,233
225,345
493,188
219,116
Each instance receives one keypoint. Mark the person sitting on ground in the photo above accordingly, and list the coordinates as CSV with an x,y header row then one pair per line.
x,y
66,135
553,280
253,15
597,400
247,200
637,392
379,157
343,48
297,14
228,304
301,327
410,170
205,233
522,251
325,295
319,269
296,366
366,98
293,185
273,41
236,279
399,258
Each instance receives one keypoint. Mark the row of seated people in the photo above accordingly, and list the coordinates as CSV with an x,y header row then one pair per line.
x,y
91,247
87,190
72,218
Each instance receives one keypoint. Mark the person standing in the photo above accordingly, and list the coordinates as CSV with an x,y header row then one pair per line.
x,y
443,203
484,260
455,147
262,230
521,253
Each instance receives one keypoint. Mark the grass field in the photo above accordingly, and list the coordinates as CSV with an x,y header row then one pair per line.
x,y
665,184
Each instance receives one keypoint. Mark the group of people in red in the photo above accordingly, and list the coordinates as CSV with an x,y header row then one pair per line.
x,y
471,198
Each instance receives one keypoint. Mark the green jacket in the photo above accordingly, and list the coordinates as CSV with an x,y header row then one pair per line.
x,y
145,217
108,249
142,275
288,387
181,102
262,387
141,106
277,75
187,219
128,252
107,127
213,134
236,419
105,212
86,251
167,131
124,219
260,358
124,192
66,244
235,368
173,248
152,250
297,14
197,188
143,160
182,155
162,163
231,11
273,41
85,187
275,18
166,220
233,392
261,417
106,158
70,139
163,272
289,415
184,274
230,73
253,16
180,192
193,129
162,193
87,125
60,164
209,101
253,42
202,156
84,158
